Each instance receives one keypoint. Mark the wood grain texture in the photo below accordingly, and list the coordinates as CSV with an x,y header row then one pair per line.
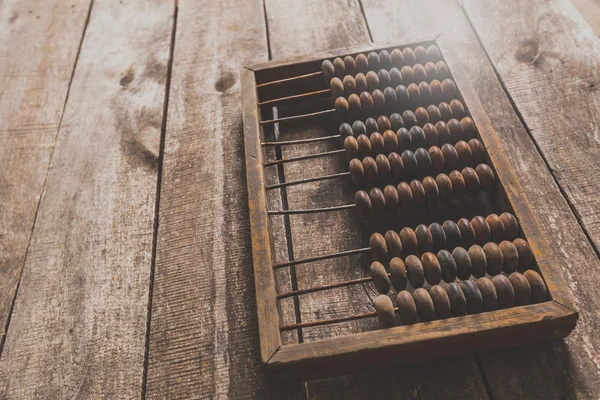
x,y
204,337
548,60
590,10
37,58
79,323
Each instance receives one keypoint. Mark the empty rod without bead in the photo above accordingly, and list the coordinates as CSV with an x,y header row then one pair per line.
x,y
325,287
301,141
297,117
296,96
324,257
329,321
312,210
293,78
305,157
307,180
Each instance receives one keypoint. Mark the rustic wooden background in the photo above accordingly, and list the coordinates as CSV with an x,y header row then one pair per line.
x,y
125,259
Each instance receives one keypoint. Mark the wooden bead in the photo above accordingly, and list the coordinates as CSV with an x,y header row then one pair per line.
x,y
463,263
521,287
450,89
434,116
398,274
433,53
525,254
432,193
339,67
397,58
409,241
396,77
371,126
422,116
391,101
437,160
410,163
511,226
450,156
385,311
420,73
362,63
374,62
423,238
407,310
482,230
432,268
363,205
345,130
441,302
357,172
359,128
504,291
473,297
351,147
378,99
456,131
478,261
396,165
383,167
414,271
444,186
468,127
367,103
496,227
408,75
458,110
453,237
396,121
377,145
423,161
458,302
431,71
364,145
447,265
471,180
465,155
349,85
437,92
495,259
383,123
488,294
445,111
510,256
377,201
337,87
372,81
328,70
478,151
371,170
402,96
459,186
438,237
380,277
443,71
390,141
417,137
350,65
361,83
418,193
409,55
467,233
431,135
424,305
354,104
486,177
421,54
385,59
379,251
384,79
409,118
443,132
414,95
392,202
538,288
393,243
342,109
406,197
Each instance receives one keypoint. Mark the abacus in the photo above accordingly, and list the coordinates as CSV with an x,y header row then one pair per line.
x,y
452,258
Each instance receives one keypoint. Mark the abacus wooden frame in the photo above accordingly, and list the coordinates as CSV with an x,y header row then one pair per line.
x,y
400,345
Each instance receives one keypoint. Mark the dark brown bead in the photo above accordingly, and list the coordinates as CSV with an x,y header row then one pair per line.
x,y
379,251
361,83
525,254
444,187
367,103
337,87
438,236
398,274
458,302
468,127
478,151
488,294
433,53
422,116
374,63
452,232
443,71
450,89
408,238
538,288
423,163
396,165
391,101
328,70
521,287
450,156
349,85
473,297
456,131
471,180
445,111
437,92
434,114
396,77
409,118
383,167
393,243
417,137
354,104
421,54
364,145
410,163
350,65
408,75
378,99
414,271
377,145
383,123
463,263
390,141
362,63
409,55
384,79
431,136
466,232
432,193
495,259
418,193
458,110
392,201
377,201
486,177
437,159
448,265
465,155
340,67
510,256
504,291
342,109
404,139
396,121
397,58
431,71
424,305
359,128
441,302
407,310
478,261
385,59
363,205
459,186
443,132
420,73
405,195
423,238
380,277
414,95
432,268
371,170
511,226
496,227
482,230
357,172
385,311
345,130
372,81
402,96
351,147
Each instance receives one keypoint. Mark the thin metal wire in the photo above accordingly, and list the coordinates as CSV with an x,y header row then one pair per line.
x,y
312,210
321,258
301,141
324,287
305,157
294,78
297,117
329,321
307,180
296,96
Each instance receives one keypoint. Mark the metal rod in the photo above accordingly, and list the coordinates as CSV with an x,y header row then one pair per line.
x,y
296,117
290,79
324,287
301,141
305,157
329,321
296,96
312,210
324,257
307,180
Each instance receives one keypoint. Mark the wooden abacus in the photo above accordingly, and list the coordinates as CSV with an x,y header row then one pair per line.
x,y
416,139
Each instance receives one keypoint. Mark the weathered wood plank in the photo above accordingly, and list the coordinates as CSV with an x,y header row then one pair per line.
x,y
204,330
79,323
37,57
590,10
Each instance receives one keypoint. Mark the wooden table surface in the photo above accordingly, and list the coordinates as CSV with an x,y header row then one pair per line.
x,y
125,257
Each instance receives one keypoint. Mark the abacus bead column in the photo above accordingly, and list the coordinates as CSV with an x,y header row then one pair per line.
x,y
473,297
342,108
408,75
358,128
374,62
383,123
361,83
465,155
468,127
328,70
367,103
435,115
431,268
363,205
340,67
396,165
378,100
496,227
458,110
471,181
406,308
450,89
391,101
349,85
422,116
431,135
410,163
414,271
377,201
409,118
424,305
504,291
538,288
393,243
396,121
482,230
380,277
437,92
521,287
478,151
432,193
495,259
385,59
423,162
350,65
398,274
511,226
357,172
443,71
396,77
478,261
467,233
417,137
354,104
406,201
433,53
431,70
371,125
404,139
351,147
450,156
510,256
418,193
525,254
345,130
441,302
443,132
377,144
390,141
384,79
371,170
385,311
390,194
409,56
397,58
414,95
423,238
372,81
447,265
486,177
444,185
452,232
421,54
488,294
420,73
362,63
458,303
445,111
459,187
463,263
337,87
438,236
379,251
